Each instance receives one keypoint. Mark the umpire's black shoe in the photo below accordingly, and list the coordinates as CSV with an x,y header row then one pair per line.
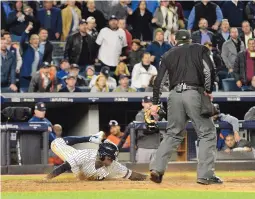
x,y
207,181
156,177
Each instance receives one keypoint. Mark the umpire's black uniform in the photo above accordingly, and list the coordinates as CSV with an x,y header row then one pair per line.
x,y
190,70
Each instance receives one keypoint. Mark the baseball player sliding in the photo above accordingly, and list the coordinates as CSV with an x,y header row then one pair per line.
x,y
91,164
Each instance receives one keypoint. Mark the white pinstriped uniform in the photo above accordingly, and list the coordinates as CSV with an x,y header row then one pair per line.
x,y
84,161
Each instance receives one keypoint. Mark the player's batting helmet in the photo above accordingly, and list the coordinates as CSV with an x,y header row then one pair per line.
x,y
108,149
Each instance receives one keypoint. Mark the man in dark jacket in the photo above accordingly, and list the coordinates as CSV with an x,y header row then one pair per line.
x,y
202,35
70,85
81,48
50,19
8,67
45,47
247,33
158,47
250,13
244,65
223,35
41,81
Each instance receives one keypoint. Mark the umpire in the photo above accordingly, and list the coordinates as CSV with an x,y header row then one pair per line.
x,y
191,75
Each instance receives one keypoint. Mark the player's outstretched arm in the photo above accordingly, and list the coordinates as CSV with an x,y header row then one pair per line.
x,y
58,170
137,176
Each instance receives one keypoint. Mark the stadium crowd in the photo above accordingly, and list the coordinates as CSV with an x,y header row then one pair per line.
x,y
117,45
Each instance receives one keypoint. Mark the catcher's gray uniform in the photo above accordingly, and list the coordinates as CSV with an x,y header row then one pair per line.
x,y
83,161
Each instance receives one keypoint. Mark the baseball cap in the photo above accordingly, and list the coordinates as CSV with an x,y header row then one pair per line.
x,y
182,35
147,99
90,19
113,17
91,68
105,71
83,21
75,66
113,123
45,65
123,76
40,106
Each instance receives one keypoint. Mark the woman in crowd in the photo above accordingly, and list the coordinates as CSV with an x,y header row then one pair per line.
x,y
135,54
100,85
141,21
121,69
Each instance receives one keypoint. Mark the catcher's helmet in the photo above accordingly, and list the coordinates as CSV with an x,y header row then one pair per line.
x,y
108,149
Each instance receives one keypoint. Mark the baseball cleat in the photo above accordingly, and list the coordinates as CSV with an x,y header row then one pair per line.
x,y
97,138
207,181
156,177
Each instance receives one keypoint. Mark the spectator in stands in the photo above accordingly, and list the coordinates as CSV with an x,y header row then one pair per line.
x,y
80,80
45,46
161,15
176,5
151,85
100,85
50,18
8,67
252,87
202,35
70,84
71,16
246,33
41,81
5,10
30,57
143,72
105,71
231,145
150,5
17,21
250,13
105,7
141,21
244,65
64,69
91,11
233,121
207,10
116,135
121,69
122,25
90,73
223,35
91,28
231,48
14,49
158,47
135,54
124,84
112,38
147,142
234,12
171,39
81,48
57,129
29,13
121,10
39,117
250,115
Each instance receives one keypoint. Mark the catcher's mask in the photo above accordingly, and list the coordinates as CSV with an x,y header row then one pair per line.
x,y
108,149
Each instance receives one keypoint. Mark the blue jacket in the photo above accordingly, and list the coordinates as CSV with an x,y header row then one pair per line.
x,y
234,14
27,57
156,50
34,119
8,68
56,19
151,5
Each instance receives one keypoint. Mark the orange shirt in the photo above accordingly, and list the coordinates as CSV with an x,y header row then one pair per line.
x,y
116,140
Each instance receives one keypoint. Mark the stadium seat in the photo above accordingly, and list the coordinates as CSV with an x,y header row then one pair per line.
x,y
229,84
84,88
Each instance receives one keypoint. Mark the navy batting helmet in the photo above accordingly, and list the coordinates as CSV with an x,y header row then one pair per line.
x,y
108,149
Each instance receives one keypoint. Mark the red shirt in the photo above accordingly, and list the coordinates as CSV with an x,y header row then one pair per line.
x,y
250,71
129,39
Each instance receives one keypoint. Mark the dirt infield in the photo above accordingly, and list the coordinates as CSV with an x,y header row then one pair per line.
x,y
176,182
